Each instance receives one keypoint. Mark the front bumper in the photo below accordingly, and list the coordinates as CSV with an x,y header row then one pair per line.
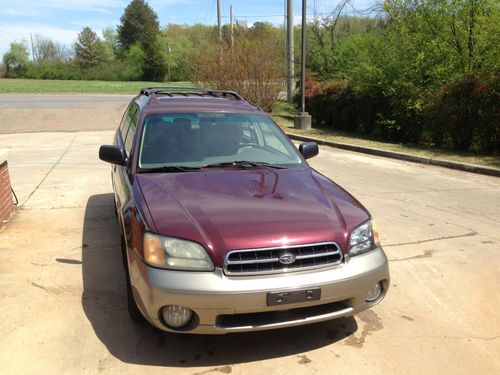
x,y
224,304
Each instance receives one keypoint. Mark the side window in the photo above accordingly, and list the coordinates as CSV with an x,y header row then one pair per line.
x,y
125,123
132,117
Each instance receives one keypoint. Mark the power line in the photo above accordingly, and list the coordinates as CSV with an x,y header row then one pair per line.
x,y
353,11
206,10
9,33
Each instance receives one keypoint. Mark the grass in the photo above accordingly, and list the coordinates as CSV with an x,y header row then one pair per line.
x,y
60,86
284,112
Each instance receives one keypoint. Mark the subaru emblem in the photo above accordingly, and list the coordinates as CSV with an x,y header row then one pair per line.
x,y
286,258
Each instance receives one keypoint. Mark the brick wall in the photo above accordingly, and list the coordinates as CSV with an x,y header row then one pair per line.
x,y
6,203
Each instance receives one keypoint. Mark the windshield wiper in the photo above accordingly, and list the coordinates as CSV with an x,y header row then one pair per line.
x,y
169,168
242,164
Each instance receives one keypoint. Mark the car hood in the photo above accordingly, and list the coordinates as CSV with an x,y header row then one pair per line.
x,y
228,209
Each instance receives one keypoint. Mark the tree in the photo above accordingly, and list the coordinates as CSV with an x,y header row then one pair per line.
x,y
253,67
16,59
110,43
444,39
89,50
46,50
134,63
154,60
180,44
139,23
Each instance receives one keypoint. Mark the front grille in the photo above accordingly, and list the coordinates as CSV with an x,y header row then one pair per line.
x,y
260,261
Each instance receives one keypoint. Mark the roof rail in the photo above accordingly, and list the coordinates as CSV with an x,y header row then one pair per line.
x,y
172,90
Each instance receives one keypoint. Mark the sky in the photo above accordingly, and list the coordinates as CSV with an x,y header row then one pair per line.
x,y
62,20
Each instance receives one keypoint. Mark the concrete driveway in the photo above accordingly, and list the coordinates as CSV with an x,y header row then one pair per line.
x,y
63,295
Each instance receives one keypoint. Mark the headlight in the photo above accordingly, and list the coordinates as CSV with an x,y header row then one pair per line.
x,y
363,238
175,254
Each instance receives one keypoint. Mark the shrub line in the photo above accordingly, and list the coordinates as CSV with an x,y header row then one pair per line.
x,y
472,168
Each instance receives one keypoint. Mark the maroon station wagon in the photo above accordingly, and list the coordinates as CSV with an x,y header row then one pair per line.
x,y
226,228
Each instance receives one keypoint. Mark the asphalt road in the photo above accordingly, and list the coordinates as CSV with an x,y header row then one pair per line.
x,y
28,113
63,297
66,101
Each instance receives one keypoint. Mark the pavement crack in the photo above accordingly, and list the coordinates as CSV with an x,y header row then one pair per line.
x,y
49,172
470,234
39,286
426,254
490,218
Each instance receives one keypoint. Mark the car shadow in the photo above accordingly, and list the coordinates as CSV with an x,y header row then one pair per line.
x,y
104,304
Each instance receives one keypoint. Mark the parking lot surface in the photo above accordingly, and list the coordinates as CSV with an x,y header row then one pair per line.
x,y
63,299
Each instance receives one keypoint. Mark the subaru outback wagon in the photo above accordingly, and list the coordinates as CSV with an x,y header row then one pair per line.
x,y
226,228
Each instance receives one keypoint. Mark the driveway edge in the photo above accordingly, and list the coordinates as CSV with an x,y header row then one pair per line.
x,y
472,168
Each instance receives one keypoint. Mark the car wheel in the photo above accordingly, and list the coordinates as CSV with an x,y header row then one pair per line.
x,y
133,310
124,254
115,206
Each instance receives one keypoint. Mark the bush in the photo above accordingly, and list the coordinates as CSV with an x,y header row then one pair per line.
x,y
56,70
253,68
339,105
402,117
465,115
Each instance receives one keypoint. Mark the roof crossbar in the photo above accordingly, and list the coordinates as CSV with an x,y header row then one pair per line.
x,y
170,90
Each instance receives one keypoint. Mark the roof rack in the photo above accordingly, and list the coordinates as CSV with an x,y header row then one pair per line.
x,y
171,90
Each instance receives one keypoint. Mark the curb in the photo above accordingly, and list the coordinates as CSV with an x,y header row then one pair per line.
x,y
400,156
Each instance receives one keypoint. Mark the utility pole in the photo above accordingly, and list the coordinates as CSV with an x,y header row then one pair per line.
x,y
33,50
169,50
231,24
303,119
290,51
219,25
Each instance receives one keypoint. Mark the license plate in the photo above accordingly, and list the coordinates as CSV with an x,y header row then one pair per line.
x,y
294,296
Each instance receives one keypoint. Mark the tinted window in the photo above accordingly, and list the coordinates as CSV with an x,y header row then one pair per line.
x,y
199,139
125,123
132,117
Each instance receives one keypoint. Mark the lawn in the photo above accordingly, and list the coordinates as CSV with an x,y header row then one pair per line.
x,y
284,112
53,86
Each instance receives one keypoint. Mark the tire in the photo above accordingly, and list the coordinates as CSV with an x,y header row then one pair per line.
x,y
115,206
133,310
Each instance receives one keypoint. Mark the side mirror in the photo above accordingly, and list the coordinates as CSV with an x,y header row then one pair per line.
x,y
112,154
308,149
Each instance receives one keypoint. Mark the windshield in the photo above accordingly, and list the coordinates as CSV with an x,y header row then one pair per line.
x,y
211,139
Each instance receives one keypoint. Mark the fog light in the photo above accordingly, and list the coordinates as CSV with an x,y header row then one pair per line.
x,y
374,293
176,316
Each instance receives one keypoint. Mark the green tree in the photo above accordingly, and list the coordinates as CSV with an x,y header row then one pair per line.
x,y
134,63
155,65
16,59
180,44
444,39
110,43
139,24
89,50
